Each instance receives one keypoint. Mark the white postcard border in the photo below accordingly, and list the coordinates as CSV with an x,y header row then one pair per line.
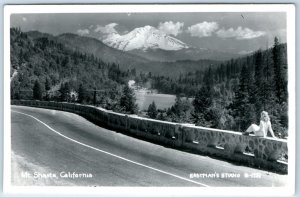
x,y
289,9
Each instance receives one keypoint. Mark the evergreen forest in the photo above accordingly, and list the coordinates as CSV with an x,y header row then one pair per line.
x,y
229,95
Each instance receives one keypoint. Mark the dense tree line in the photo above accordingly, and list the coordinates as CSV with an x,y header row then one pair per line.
x,y
233,94
264,88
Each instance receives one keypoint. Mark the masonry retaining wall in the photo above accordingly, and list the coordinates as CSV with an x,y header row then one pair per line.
x,y
266,153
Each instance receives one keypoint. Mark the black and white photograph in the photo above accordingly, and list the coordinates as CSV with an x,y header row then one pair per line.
x,y
160,98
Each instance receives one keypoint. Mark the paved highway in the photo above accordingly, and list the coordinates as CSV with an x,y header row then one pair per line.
x,y
47,145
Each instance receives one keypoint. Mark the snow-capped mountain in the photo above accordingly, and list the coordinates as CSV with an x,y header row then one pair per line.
x,y
144,38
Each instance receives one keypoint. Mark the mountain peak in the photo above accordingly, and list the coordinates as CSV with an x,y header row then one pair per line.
x,y
148,27
144,38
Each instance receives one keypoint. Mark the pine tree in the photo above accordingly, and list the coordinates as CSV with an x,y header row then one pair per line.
x,y
252,116
152,111
258,69
269,87
280,84
81,94
258,96
37,91
47,84
64,92
208,77
127,101
204,100
47,88
202,104
241,105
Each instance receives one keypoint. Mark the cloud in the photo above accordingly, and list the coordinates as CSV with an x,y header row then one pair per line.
x,y
171,28
83,32
204,29
24,19
107,29
240,33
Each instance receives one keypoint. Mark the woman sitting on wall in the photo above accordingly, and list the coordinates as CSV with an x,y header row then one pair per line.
x,y
263,128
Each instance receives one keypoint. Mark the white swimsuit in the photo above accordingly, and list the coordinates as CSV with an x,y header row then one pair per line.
x,y
262,129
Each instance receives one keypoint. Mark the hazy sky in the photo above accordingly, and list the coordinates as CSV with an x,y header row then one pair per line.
x,y
232,32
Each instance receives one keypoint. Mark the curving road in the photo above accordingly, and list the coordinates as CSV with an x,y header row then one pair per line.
x,y
47,144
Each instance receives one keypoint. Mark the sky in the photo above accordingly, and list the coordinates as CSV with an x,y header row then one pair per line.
x,y
232,32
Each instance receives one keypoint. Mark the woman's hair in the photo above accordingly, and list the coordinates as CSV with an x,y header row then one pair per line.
x,y
264,114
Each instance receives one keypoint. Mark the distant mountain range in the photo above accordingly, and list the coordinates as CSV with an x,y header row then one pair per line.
x,y
92,46
190,53
155,53
153,44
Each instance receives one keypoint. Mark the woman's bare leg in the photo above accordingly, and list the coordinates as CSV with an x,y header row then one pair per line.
x,y
250,129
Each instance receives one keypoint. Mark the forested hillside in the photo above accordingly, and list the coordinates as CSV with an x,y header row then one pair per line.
x,y
92,46
190,53
226,95
58,73
233,94
126,60
224,74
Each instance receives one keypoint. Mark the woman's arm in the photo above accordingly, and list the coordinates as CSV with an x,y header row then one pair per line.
x,y
270,129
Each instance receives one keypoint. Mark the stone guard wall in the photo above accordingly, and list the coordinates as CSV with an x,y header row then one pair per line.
x,y
267,153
